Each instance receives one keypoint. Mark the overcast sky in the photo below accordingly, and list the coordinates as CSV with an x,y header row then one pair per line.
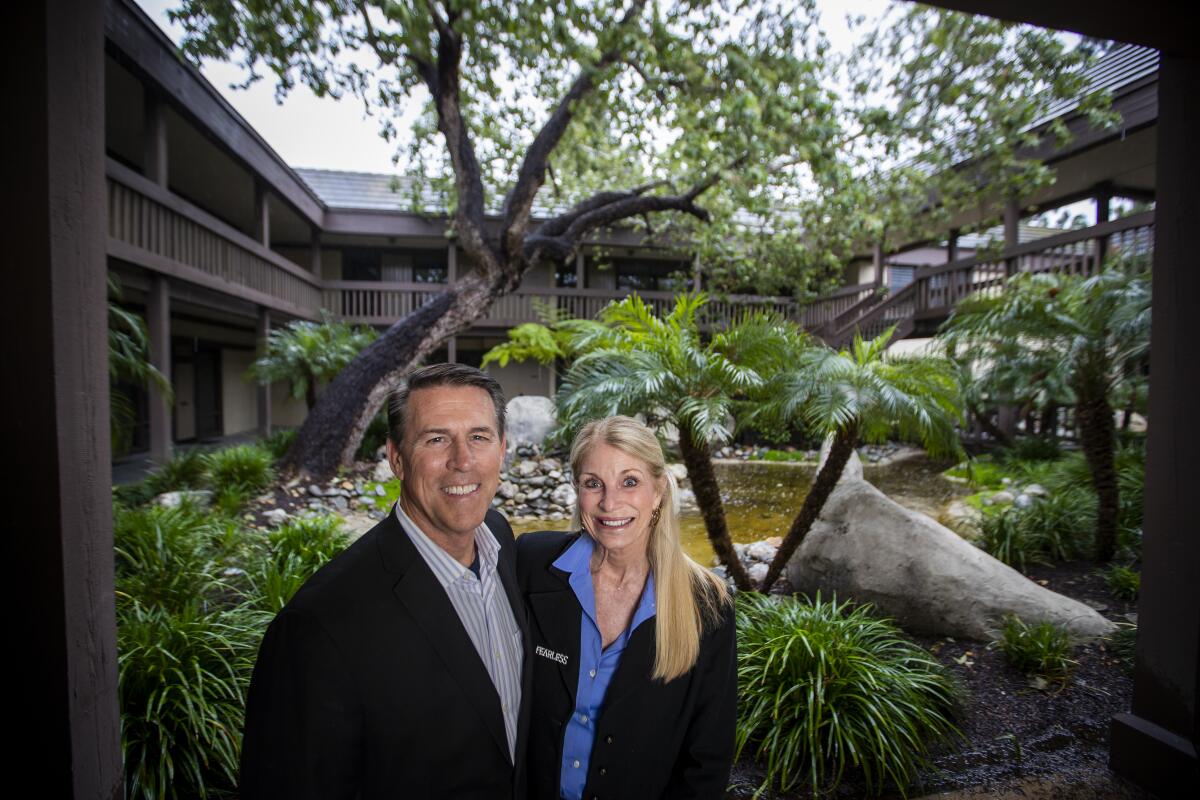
x,y
308,131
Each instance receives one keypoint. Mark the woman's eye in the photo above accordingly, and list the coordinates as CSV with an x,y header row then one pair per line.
x,y
631,482
591,484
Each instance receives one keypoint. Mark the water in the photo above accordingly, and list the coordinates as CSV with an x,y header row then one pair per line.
x,y
762,498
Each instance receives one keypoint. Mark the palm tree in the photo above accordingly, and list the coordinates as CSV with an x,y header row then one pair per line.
x,y
851,396
634,362
308,354
1087,333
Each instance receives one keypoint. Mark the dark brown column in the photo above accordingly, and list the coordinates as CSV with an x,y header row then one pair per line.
x,y
55,403
580,270
451,263
314,256
154,137
952,246
877,262
262,214
1103,201
264,389
1012,232
1155,744
158,325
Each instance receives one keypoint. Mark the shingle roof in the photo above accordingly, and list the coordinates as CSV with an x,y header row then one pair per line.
x,y
366,190
1116,69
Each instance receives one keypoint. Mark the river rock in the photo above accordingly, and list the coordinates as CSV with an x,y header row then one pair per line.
x,y
528,420
679,471
199,497
526,468
564,495
383,472
761,551
508,490
533,494
276,516
867,547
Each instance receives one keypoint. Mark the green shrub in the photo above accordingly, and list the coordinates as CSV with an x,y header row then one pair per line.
x,y
1123,582
982,472
185,470
1058,527
247,467
1123,644
131,495
1032,448
784,455
1042,649
297,550
279,442
163,556
823,686
374,437
230,500
182,682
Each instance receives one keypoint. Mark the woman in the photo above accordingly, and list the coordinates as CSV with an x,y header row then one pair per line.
x,y
634,675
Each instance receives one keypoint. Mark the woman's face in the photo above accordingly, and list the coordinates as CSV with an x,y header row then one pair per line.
x,y
617,498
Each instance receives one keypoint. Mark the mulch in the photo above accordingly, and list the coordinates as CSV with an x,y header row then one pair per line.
x,y
1020,741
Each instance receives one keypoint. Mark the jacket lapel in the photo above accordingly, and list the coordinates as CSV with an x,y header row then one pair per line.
x,y
636,664
559,619
426,602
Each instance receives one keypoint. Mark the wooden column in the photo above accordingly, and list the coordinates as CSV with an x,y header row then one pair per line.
x,y
1012,232
1155,744
314,252
877,263
53,344
154,137
262,214
696,273
158,324
452,263
452,350
264,389
580,270
1103,201
952,246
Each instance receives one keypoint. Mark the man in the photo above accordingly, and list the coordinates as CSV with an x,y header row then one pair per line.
x,y
397,670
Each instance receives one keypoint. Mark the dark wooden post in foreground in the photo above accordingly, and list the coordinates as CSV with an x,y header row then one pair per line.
x,y
1155,744
54,406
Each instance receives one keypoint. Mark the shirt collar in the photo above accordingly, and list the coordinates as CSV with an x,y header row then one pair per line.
x,y
577,562
445,568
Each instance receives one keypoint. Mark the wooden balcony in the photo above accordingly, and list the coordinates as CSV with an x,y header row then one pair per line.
x,y
374,303
160,231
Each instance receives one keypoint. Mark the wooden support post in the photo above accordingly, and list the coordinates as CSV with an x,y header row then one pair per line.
x,y
952,246
314,252
452,264
54,347
452,350
158,325
262,214
1103,202
1012,233
580,270
877,263
1155,744
154,137
263,332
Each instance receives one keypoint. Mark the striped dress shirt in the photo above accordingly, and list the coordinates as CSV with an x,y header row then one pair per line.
x,y
483,608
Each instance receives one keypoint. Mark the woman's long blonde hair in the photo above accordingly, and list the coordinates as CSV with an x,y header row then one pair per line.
x,y
687,596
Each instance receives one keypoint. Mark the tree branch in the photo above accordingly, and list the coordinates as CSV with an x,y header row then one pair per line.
x,y
518,205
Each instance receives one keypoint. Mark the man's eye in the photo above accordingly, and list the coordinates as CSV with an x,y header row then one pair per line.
x,y
435,439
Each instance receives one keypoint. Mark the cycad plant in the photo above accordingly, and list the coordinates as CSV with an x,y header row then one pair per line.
x,y
635,362
1087,334
845,397
308,354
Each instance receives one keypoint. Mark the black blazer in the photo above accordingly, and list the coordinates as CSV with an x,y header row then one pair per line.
x,y
367,685
653,740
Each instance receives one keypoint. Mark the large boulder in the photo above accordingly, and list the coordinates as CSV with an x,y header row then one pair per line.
x,y
867,547
529,420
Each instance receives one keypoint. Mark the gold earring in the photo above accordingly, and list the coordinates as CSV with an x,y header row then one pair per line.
x,y
654,516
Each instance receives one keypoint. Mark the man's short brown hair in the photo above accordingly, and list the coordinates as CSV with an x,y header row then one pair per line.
x,y
440,375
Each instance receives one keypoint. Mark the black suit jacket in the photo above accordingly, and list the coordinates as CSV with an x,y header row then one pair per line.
x,y
367,685
653,740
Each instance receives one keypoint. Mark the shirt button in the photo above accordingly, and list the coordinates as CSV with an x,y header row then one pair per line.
x,y
608,740
591,673
583,718
603,772
575,763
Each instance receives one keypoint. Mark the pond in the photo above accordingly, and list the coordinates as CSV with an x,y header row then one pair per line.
x,y
762,498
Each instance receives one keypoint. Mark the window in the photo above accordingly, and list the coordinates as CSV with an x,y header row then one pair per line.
x,y
360,264
430,266
652,275
565,276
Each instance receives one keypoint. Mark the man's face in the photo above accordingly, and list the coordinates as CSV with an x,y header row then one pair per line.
x,y
449,462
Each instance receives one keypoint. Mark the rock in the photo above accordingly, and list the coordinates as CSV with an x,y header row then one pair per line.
x,y
526,468
508,490
549,465
519,498
757,572
867,547
316,491
679,471
557,516
276,516
380,491
199,497
687,498
1036,490
962,518
761,551
528,420
383,472
533,494
1097,605
775,541
341,503
564,495
1022,501
1001,498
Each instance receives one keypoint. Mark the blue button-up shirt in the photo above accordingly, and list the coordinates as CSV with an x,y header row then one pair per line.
x,y
597,665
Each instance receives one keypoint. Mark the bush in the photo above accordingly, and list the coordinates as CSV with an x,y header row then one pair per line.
x,y
163,556
1058,527
297,550
1042,649
1123,644
1123,582
784,455
823,685
1032,448
279,442
183,676
185,470
246,467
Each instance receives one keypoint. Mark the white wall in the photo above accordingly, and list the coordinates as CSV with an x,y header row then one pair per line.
x,y
286,412
239,397
519,379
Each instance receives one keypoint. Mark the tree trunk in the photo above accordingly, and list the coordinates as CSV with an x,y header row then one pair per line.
x,y
697,457
823,486
1097,434
310,392
334,428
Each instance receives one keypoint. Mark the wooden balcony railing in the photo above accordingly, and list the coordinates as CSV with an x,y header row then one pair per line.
x,y
935,291
158,230
374,303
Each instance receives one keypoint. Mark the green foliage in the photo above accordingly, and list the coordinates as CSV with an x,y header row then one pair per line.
x,y
1123,582
824,686
1123,644
244,468
187,469
279,442
1042,649
391,493
531,340
785,455
296,550
183,677
981,472
1057,527
164,556
307,354
1032,448
374,437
